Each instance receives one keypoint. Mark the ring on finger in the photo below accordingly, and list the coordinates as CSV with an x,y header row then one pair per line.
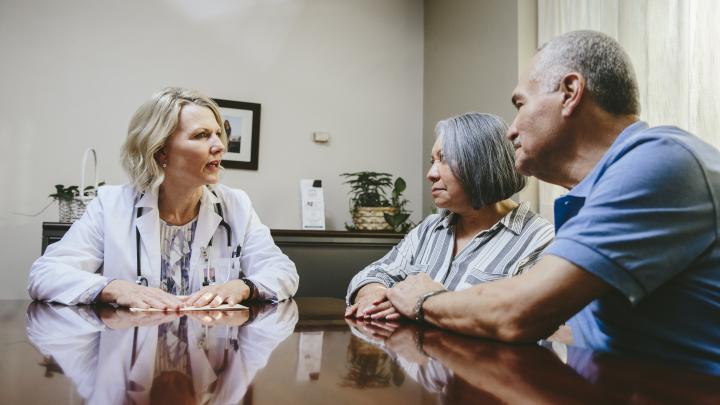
x,y
208,296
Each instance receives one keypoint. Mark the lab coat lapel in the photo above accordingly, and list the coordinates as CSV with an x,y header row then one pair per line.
x,y
149,226
208,221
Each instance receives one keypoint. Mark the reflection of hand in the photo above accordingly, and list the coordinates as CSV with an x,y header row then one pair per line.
x,y
122,318
127,294
398,338
233,292
376,331
372,303
212,318
404,295
405,344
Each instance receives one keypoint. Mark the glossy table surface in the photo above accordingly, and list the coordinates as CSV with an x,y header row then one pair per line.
x,y
303,351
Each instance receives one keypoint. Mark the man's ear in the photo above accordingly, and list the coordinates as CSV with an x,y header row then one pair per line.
x,y
572,87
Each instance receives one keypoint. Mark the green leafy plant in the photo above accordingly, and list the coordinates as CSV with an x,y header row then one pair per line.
x,y
399,220
369,189
69,193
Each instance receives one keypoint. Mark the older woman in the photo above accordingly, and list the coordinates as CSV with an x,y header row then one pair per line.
x,y
479,235
173,237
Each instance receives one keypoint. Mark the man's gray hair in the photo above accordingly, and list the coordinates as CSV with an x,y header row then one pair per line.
x,y
608,72
480,156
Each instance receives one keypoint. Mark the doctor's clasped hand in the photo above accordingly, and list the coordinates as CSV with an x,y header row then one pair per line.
x,y
232,292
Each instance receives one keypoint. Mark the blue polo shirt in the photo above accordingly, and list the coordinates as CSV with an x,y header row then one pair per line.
x,y
645,220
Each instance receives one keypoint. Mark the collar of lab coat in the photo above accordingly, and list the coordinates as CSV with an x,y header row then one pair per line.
x,y
149,226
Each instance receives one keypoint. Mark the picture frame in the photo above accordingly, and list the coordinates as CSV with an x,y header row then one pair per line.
x,y
242,125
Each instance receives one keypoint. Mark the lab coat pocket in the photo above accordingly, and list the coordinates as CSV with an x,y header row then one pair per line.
x,y
222,270
227,269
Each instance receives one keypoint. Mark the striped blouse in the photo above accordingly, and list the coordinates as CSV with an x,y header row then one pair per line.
x,y
508,248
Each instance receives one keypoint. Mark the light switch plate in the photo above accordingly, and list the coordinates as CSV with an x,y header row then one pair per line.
x,y
321,137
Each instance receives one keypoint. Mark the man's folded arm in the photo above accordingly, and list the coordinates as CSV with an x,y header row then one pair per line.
x,y
525,308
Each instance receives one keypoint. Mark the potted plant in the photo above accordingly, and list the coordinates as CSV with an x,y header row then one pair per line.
x,y
399,219
370,208
70,203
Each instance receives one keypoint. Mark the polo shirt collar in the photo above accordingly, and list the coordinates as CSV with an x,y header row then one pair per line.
x,y
568,205
582,189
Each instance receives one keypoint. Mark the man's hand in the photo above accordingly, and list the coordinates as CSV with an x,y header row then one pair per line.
x,y
127,294
233,292
404,295
372,303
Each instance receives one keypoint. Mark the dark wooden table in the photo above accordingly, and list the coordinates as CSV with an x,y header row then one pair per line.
x,y
303,351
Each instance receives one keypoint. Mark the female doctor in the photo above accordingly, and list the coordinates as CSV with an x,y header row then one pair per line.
x,y
173,237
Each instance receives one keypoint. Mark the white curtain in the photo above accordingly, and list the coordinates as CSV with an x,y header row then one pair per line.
x,y
675,48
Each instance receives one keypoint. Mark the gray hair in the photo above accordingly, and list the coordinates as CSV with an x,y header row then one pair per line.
x,y
608,72
151,126
480,156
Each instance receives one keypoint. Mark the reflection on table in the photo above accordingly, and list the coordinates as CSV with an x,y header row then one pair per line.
x,y
303,351
468,370
116,356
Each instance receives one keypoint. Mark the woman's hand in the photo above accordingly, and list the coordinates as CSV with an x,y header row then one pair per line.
x,y
233,292
372,303
131,295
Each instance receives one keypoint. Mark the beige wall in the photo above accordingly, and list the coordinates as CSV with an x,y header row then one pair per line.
x,y
376,74
527,45
473,52
73,72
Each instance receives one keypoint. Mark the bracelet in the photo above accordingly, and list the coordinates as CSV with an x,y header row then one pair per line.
x,y
419,313
251,286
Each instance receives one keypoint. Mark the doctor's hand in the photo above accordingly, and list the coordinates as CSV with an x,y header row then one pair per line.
x,y
372,303
233,292
128,294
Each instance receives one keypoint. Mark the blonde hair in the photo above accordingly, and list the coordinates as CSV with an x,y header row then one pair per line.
x,y
151,126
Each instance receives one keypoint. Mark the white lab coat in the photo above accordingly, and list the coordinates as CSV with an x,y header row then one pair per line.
x,y
101,246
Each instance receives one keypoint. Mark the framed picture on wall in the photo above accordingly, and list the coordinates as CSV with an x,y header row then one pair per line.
x,y
242,125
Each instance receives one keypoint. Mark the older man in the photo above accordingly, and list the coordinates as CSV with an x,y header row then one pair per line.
x,y
636,258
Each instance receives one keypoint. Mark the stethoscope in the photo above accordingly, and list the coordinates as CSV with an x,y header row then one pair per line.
x,y
208,278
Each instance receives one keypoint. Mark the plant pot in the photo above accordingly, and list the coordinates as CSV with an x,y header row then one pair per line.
x,y
372,218
71,210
